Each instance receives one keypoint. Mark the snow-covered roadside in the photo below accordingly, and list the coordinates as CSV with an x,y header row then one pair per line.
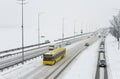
x,y
84,66
113,58
17,71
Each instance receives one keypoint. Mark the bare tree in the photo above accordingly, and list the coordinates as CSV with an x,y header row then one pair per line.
x,y
115,29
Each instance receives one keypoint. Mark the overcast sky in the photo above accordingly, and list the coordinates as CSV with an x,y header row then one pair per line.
x,y
87,14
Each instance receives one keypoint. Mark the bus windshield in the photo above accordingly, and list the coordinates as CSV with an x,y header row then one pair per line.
x,y
48,58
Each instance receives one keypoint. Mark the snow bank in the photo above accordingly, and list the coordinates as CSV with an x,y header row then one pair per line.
x,y
113,57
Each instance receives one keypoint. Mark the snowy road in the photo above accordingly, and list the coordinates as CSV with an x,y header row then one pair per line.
x,y
32,70
71,50
84,66
17,58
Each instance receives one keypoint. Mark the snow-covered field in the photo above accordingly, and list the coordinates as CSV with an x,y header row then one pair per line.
x,y
113,58
84,66
11,38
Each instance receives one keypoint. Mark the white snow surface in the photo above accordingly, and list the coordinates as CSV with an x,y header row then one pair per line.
x,y
113,57
84,66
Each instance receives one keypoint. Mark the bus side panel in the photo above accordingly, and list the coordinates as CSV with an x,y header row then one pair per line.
x,y
60,57
49,62
64,53
57,59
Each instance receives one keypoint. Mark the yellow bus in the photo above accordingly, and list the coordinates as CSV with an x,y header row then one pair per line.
x,y
54,56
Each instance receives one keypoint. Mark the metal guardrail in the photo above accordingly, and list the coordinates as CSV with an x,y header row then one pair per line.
x,y
19,48
72,36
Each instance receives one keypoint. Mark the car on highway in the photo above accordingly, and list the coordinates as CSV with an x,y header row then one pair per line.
x,y
51,47
104,36
101,46
88,36
68,43
99,36
102,63
102,43
47,41
101,50
86,44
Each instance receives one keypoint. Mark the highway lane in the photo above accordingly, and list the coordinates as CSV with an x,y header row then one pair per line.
x,y
74,54
8,61
50,69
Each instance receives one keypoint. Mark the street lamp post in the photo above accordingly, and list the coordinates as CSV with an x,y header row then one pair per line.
x,y
74,28
22,29
62,29
38,28
39,14
22,36
81,31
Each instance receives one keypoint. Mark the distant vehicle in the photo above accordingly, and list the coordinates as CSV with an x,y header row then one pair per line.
x,y
101,47
51,47
86,44
92,35
102,43
47,41
88,36
102,63
68,43
101,50
51,57
99,36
